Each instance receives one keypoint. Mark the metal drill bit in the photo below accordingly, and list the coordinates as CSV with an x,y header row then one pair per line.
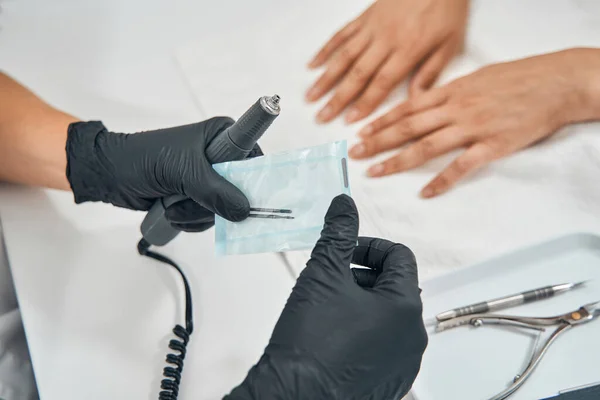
x,y
270,216
272,210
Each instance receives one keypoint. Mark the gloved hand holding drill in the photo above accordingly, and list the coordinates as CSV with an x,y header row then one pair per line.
x,y
133,171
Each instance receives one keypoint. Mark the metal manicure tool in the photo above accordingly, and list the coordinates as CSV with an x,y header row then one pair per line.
x,y
509,301
563,323
276,213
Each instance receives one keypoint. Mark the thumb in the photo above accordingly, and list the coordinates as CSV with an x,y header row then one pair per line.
x,y
394,262
220,196
333,251
214,126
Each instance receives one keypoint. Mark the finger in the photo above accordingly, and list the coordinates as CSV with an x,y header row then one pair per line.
x,y
471,160
385,80
334,43
355,81
218,195
409,128
433,98
338,66
333,252
255,152
212,127
427,74
365,278
419,153
200,227
395,264
188,211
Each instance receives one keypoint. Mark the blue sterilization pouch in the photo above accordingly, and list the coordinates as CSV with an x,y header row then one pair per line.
x,y
292,192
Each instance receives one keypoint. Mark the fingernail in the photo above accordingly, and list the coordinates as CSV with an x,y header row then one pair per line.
x,y
312,94
357,150
375,170
366,131
352,115
325,114
428,192
312,63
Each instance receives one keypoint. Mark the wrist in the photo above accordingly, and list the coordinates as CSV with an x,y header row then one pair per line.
x,y
282,377
89,178
262,382
584,65
32,138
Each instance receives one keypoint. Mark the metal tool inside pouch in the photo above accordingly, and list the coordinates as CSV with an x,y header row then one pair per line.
x,y
303,181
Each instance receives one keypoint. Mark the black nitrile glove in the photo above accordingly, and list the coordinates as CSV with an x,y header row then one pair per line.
x,y
133,171
337,340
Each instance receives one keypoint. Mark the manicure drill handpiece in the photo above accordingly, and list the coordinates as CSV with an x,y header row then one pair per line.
x,y
234,143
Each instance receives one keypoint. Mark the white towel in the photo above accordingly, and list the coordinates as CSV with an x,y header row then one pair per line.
x,y
539,193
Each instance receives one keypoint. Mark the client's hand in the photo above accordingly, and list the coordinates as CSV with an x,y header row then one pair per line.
x,y
336,339
371,55
492,113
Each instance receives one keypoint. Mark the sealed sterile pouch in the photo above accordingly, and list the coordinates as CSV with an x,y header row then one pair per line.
x,y
289,195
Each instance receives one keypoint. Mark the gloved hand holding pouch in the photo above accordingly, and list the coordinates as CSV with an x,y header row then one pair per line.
x,y
294,189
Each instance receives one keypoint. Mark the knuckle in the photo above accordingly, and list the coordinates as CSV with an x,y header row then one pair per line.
x,y
372,146
324,80
384,81
390,165
336,101
397,112
407,125
346,55
412,308
405,128
369,147
498,144
339,35
335,71
406,108
462,165
379,123
405,252
394,164
391,32
482,117
359,74
442,182
417,308
367,103
426,148
465,102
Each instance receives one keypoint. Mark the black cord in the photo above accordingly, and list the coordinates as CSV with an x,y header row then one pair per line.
x,y
170,385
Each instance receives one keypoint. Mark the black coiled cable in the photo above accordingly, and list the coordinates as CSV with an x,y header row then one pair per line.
x,y
170,385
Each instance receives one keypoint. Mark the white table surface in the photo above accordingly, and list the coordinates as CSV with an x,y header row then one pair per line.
x,y
98,317
536,194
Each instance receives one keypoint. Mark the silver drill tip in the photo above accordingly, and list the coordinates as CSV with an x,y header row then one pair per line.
x,y
578,284
271,104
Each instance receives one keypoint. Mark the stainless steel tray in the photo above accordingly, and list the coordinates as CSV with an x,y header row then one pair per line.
x,y
469,363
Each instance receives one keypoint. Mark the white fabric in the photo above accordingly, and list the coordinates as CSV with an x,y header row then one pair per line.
x,y
542,192
16,374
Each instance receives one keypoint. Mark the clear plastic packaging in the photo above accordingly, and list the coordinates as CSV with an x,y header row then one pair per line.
x,y
303,181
